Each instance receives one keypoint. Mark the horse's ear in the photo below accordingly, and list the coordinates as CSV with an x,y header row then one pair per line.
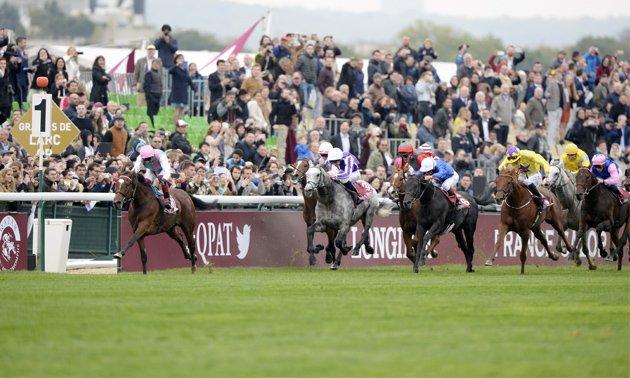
x,y
311,164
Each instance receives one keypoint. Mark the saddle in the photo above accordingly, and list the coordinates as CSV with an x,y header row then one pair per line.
x,y
365,190
453,199
542,196
162,201
624,193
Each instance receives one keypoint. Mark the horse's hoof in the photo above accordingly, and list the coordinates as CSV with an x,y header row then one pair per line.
x,y
118,256
369,249
592,267
470,271
329,258
488,263
334,267
318,248
434,254
312,260
603,253
578,262
610,259
422,263
555,257
571,256
355,252
415,269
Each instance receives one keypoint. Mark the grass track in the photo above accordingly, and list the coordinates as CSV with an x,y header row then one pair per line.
x,y
554,321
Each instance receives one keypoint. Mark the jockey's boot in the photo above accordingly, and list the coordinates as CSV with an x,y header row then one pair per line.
x,y
167,196
538,197
622,200
458,205
351,187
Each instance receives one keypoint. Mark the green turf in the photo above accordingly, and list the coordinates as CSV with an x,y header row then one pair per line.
x,y
554,321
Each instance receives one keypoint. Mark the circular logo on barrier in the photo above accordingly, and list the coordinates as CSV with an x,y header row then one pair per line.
x,y
9,238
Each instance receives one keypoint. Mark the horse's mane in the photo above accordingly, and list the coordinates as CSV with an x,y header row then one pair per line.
x,y
141,180
510,171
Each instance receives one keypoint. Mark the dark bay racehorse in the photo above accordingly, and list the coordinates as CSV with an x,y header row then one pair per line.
x,y
335,210
562,184
601,209
436,216
407,218
519,212
147,217
298,176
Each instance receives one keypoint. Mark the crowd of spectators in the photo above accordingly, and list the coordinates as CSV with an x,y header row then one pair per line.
x,y
294,89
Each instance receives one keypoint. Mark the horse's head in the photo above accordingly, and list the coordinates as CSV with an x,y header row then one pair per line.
x,y
298,171
315,176
584,181
124,189
506,182
413,191
397,181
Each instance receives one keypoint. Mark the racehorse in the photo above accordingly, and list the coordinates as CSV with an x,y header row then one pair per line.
x,y
601,209
335,210
562,184
436,216
147,217
298,176
407,218
519,213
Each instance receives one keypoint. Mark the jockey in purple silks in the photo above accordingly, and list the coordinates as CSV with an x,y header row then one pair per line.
x,y
345,169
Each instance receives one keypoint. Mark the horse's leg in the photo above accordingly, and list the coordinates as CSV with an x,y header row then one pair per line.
x,y
191,247
340,241
469,232
434,242
503,230
365,236
330,248
315,227
524,240
408,247
621,242
461,243
139,233
179,238
540,236
421,258
143,255
604,226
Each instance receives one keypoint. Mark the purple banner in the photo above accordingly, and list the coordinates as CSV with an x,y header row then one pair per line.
x,y
13,241
277,239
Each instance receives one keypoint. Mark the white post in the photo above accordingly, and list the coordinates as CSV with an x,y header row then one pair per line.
x,y
268,23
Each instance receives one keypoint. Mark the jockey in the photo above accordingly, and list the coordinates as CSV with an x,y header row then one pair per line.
x,y
607,173
324,150
345,168
419,155
441,175
529,164
157,166
405,151
574,158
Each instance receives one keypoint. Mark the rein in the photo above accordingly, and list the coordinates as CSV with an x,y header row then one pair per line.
x,y
507,194
125,195
414,198
587,190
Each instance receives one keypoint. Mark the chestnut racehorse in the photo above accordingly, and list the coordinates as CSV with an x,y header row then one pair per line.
x,y
600,209
298,177
407,218
519,211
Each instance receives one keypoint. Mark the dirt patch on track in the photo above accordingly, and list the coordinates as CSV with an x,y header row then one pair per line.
x,y
93,271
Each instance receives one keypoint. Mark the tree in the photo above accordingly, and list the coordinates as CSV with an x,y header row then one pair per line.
x,y
10,18
53,23
193,40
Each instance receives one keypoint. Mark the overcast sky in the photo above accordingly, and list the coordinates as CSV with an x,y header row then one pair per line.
x,y
473,8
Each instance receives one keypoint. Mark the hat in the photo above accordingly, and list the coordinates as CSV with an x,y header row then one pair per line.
x,y
540,125
5,152
297,74
97,105
151,47
68,151
117,117
595,111
449,152
242,92
376,75
111,169
356,115
609,120
428,58
284,38
181,123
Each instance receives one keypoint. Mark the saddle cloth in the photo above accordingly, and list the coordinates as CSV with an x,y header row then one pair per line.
x,y
542,196
160,196
365,190
625,193
461,199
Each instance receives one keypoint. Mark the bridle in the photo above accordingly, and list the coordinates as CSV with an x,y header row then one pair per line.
x,y
301,173
125,195
403,182
512,184
415,198
590,177
554,185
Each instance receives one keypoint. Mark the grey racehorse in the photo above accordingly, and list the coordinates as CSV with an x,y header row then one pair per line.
x,y
335,210
562,183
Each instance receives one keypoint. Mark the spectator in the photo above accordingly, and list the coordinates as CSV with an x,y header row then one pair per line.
x,y
559,59
345,140
7,181
5,97
425,134
81,121
601,92
236,159
248,146
374,66
218,82
143,65
461,52
59,90
427,50
166,47
376,88
465,69
477,107
302,150
320,129
425,92
253,83
381,157
227,109
307,67
592,62
570,98
100,81
359,88
249,184
474,135
539,142
535,110
71,110
589,136
613,97
465,184
142,133
462,101
463,118
463,163
179,140
179,87
152,89
326,76
50,181
335,108
443,120
621,108
42,67
348,75
441,148
281,118
255,111
512,62
502,110
117,136
461,141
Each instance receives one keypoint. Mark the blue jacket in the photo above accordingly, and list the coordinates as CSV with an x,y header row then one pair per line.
x,y
591,65
303,152
359,88
425,136
430,52
166,51
614,135
443,171
459,59
181,81
604,174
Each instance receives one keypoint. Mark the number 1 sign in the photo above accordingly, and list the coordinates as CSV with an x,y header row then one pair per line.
x,y
42,110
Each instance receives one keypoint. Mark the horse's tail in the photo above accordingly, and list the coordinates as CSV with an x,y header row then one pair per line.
x,y
385,207
201,205
485,198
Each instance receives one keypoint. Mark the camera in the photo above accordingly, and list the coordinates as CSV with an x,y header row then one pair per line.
x,y
98,161
216,179
79,52
10,90
175,175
